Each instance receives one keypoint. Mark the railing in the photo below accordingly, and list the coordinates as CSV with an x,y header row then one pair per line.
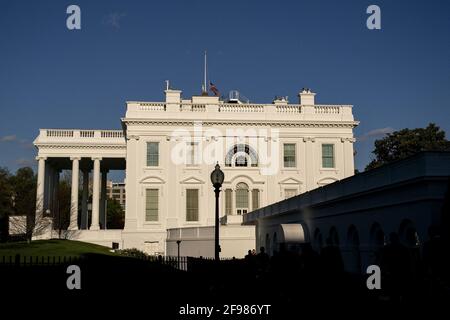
x,y
289,108
244,107
230,107
152,106
60,133
64,133
327,109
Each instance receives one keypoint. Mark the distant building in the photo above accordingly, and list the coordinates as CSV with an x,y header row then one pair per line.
x,y
357,214
116,191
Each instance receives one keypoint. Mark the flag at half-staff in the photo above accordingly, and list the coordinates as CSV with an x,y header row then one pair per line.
x,y
213,89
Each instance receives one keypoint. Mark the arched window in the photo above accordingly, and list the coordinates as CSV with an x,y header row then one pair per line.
x,y
354,260
267,244
333,237
275,243
408,234
376,243
241,198
241,155
318,240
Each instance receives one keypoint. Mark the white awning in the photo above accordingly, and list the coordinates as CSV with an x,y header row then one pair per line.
x,y
292,233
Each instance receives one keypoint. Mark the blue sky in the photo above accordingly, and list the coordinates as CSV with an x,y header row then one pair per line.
x,y
51,77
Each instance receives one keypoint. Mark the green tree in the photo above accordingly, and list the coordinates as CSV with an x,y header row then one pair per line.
x,y
406,142
6,202
115,215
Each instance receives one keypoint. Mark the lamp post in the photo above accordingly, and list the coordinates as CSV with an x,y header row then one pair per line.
x,y
178,244
217,177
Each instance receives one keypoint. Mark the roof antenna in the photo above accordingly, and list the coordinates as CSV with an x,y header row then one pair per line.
x,y
204,87
167,85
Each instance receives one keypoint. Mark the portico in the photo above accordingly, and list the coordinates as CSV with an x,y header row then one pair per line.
x,y
93,152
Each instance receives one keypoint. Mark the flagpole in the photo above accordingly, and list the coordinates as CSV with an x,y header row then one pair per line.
x,y
204,78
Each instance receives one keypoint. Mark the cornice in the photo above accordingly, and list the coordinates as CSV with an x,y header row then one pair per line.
x,y
77,146
297,124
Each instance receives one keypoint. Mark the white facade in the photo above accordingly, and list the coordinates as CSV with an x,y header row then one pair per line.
x,y
267,151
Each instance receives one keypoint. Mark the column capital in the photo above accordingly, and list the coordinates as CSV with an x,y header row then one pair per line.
x,y
352,140
311,139
133,137
41,158
75,158
96,158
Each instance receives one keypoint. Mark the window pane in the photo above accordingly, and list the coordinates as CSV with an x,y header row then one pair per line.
x,y
192,205
255,199
191,153
228,201
152,154
241,195
151,205
327,155
289,155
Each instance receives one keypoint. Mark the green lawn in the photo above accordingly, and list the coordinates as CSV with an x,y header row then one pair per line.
x,y
51,248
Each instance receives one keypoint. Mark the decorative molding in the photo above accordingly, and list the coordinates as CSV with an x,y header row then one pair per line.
x,y
192,180
351,140
296,124
77,146
310,139
152,180
290,180
133,137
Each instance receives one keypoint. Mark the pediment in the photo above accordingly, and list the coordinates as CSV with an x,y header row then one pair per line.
x,y
290,181
152,180
192,180
326,181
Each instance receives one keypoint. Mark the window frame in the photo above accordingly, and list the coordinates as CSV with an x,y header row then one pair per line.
x,y
148,155
294,155
333,156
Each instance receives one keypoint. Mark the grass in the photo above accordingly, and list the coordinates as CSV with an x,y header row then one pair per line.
x,y
52,248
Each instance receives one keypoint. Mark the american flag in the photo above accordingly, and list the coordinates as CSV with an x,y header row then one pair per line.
x,y
214,89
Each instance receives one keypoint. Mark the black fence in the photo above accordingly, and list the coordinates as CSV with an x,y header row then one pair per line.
x,y
23,261
178,263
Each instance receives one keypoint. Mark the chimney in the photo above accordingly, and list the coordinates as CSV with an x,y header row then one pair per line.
x,y
306,97
173,96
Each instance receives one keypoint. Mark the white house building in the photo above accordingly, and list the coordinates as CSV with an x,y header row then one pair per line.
x,y
268,152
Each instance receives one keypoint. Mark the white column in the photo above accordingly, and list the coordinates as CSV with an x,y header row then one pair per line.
x,y
310,163
84,201
40,187
131,184
349,161
73,225
103,199
95,195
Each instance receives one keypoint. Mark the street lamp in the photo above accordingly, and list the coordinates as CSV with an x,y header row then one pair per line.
x,y
178,244
217,177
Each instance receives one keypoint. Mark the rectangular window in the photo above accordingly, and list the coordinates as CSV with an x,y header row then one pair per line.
x,y
327,156
191,153
288,193
152,154
151,205
289,155
255,199
228,201
191,204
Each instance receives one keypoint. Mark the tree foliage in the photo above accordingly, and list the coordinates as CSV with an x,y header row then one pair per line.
x,y
406,142
115,215
6,202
